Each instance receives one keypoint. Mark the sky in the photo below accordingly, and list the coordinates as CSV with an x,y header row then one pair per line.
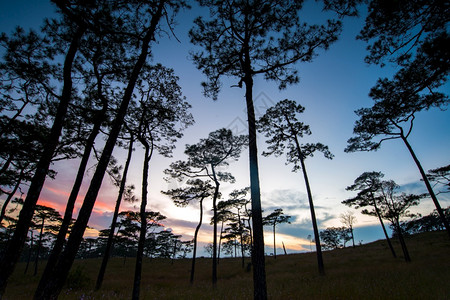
x,y
331,88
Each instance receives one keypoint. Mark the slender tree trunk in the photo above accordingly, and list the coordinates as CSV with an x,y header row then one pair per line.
x,y
68,213
284,248
258,259
109,244
29,253
382,226
274,244
15,245
313,214
402,241
242,240
55,284
38,250
143,231
10,196
428,185
216,195
353,238
194,251
220,243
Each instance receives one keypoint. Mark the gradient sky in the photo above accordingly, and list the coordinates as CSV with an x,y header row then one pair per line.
x,y
331,88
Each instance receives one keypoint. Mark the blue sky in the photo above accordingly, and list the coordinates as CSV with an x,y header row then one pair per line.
x,y
335,84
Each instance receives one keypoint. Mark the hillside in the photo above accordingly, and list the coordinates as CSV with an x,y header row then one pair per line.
x,y
365,272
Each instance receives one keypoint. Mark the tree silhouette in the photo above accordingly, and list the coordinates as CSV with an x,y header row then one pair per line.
x,y
273,219
414,36
281,125
123,190
392,117
12,253
42,216
138,23
440,176
244,39
204,159
197,189
393,207
368,185
348,219
158,122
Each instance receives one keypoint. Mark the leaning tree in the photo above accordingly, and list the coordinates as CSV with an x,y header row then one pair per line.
x,y
204,161
368,185
248,38
394,206
281,125
137,23
392,117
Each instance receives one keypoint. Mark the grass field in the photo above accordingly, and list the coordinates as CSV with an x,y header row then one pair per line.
x,y
365,272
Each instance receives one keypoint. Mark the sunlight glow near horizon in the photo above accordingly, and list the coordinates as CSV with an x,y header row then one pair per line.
x,y
331,87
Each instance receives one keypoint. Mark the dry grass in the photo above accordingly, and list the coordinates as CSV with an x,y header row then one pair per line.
x,y
365,272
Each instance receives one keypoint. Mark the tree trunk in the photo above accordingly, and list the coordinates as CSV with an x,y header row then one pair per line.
x,y
10,196
15,245
384,228
29,254
194,251
284,248
353,238
313,214
109,244
428,185
38,250
274,244
402,241
61,237
143,231
258,259
55,284
216,195
220,243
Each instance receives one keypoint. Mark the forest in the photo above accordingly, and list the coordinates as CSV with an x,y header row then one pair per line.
x,y
86,95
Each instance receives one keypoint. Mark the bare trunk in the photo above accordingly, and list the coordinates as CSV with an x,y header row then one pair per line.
x,y
38,250
402,241
384,228
274,244
216,195
428,185
258,259
109,244
143,231
313,214
194,251
15,245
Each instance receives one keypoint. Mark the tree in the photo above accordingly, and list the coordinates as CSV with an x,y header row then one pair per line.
x,y
197,189
12,253
42,216
332,236
281,125
414,36
204,161
161,115
141,21
244,39
392,117
273,219
393,207
368,186
440,176
349,219
121,182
